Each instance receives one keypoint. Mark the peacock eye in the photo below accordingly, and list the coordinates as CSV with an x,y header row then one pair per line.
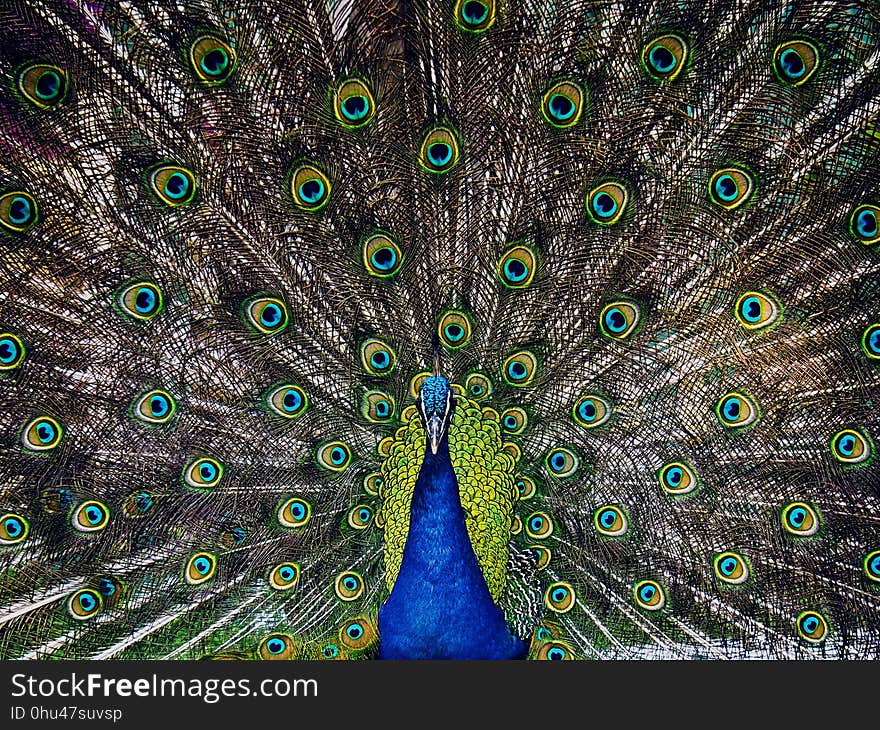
x,y
90,516
610,521
607,202
520,368
475,16
18,211
559,597
284,576
539,525
377,406
212,59
267,315
731,568
42,434
200,568
850,447
439,152
619,320
812,626
542,554
665,57
353,103
358,633
871,341
796,61
172,184
153,407
649,595
310,187
382,257
349,586
755,310
730,187
141,300
276,646
591,411
373,483
677,478
377,357
516,268
204,473
478,386
525,486
360,516
335,456
84,604
12,351
287,400
871,564
454,329
13,529
800,519
514,420
138,504
555,651
43,85
736,410
295,512
864,224
562,462
562,104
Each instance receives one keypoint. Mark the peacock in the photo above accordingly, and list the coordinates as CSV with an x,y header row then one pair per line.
x,y
467,329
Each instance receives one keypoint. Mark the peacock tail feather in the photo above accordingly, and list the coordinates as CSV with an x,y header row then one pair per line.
x,y
241,241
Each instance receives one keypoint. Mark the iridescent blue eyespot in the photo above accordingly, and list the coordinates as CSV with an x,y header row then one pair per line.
x,y
864,223
664,57
381,255
801,519
516,268
439,152
141,300
310,187
42,434
334,456
562,462
204,473
539,525
474,16
212,59
84,604
812,627
607,202
276,647
13,529
349,586
200,568
736,410
153,407
43,85
559,597
796,61
563,103
649,595
871,565
18,211
173,185
12,351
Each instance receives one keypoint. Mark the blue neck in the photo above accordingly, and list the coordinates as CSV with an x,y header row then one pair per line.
x,y
440,606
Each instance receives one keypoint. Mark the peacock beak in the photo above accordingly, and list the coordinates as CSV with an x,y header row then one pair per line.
x,y
435,425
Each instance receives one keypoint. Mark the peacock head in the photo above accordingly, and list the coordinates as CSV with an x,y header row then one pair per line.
x,y
435,404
